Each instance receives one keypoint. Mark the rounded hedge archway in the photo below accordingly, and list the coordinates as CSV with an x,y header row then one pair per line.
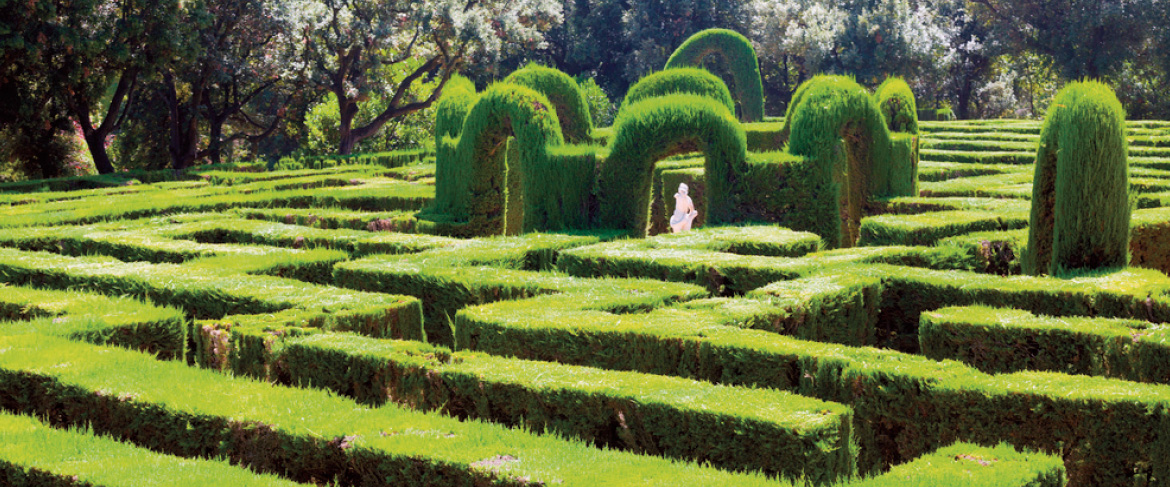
x,y
741,58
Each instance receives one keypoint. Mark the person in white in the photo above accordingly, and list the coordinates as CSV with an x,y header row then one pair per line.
x,y
684,210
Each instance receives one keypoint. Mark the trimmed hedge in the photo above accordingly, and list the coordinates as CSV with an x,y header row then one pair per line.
x,y
896,101
1080,196
825,110
731,428
209,294
472,172
34,454
1004,340
905,405
302,434
694,81
740,55
561,89
96,319
927,229
659,127
969,465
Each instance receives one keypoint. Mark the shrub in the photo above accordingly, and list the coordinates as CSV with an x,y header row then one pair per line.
x,y
677,81
1080,193
571,108
897,104
740,56
601,109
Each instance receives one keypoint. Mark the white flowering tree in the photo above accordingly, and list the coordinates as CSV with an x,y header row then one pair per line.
x,y
349,43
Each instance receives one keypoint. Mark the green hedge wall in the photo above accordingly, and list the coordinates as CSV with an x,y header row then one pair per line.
x,y
1080,194
694,81
741,58
897,104
561,89
1004,340
303,434
34,454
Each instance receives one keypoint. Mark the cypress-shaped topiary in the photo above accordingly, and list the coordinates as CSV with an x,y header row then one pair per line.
x,y
659,127
740,56
471,174
566,96
676,81
897,104
1080,192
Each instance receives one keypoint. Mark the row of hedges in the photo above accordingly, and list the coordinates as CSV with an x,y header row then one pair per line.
x,y
731,428
96,319
33,453
302,434
211,293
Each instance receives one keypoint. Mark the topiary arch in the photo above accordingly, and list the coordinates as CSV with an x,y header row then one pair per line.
x,y
657,128
741,58
471,174
679,80
1080,194
562,90
826,112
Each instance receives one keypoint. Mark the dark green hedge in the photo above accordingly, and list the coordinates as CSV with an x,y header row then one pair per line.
x,y
1080,194
740,55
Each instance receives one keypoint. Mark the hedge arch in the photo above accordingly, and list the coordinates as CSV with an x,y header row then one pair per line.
x,y
472,172
1080,217
740,56
828,111
657,128
897,104
677,81
566,96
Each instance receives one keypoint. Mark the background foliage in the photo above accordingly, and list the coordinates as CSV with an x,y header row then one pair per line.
x,y
170,83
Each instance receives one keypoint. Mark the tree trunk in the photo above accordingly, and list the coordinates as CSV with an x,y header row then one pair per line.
x,y
97,148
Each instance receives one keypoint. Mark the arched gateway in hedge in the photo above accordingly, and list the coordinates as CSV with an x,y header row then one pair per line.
x,y
741,58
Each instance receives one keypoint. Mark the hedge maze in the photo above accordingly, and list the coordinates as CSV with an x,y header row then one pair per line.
x,y
869,302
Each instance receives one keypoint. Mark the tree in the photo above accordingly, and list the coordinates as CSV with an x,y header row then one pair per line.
x,y
235,59
1085,38
346,41
104,46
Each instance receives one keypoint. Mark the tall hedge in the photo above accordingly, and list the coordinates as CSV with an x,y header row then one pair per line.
x,y
830,110
1080,192
679,80
659,127
458,97
897,105
472,171
740,56
565,95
